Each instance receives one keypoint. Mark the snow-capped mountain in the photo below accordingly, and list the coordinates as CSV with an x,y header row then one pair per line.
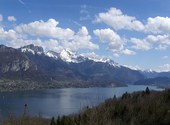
x,y
83,68
72,57
67,55
97,58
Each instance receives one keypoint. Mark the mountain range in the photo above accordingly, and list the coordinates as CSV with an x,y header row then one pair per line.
x,y
31,64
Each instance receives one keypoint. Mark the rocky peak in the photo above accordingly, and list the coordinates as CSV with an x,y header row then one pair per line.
x,y
52,54
32,48
5,49
13,60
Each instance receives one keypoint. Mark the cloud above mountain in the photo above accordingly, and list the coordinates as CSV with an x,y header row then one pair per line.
x,y
49,35
109,32
155,30
117,20
158,25
114,41
47,29
163,68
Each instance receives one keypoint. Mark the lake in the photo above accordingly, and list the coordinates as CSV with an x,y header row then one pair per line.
x,y
55,102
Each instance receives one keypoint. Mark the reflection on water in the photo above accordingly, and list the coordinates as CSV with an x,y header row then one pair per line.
x,y
55,102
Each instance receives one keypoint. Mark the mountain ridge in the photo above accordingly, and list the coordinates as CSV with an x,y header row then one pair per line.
x,y
68,69
76,62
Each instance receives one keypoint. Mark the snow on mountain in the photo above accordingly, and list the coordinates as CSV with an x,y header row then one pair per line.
x,y
96,58
136,67
52,54
67,55
24,50
32,49
149,71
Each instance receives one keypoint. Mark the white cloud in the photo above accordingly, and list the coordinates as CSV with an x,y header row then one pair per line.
x,y
158,42
128,52
115,43
163,40
91,55
48,29
11,18
107,35
1,17
140,44
161,47
163,68
8,35
50,44
20,36
94,56
81,40
117,20
12,38
158,25
22,42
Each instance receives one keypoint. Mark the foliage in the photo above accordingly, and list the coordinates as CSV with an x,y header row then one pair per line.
x,y
140,108
26,120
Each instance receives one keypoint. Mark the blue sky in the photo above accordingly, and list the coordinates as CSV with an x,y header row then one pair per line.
x,y
135,33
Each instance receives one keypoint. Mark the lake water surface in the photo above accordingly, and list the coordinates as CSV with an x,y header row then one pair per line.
x,y
55,102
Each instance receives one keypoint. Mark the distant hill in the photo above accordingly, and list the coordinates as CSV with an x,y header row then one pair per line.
x,y
154,74
158,81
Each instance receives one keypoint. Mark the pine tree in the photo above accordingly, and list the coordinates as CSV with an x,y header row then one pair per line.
x,y
147,91
52,121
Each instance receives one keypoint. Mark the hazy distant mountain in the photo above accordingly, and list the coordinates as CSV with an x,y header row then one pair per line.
x,y
158,81
154,74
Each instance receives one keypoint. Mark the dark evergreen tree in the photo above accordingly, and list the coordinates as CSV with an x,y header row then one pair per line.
x,y
52,121
147,91
58,121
